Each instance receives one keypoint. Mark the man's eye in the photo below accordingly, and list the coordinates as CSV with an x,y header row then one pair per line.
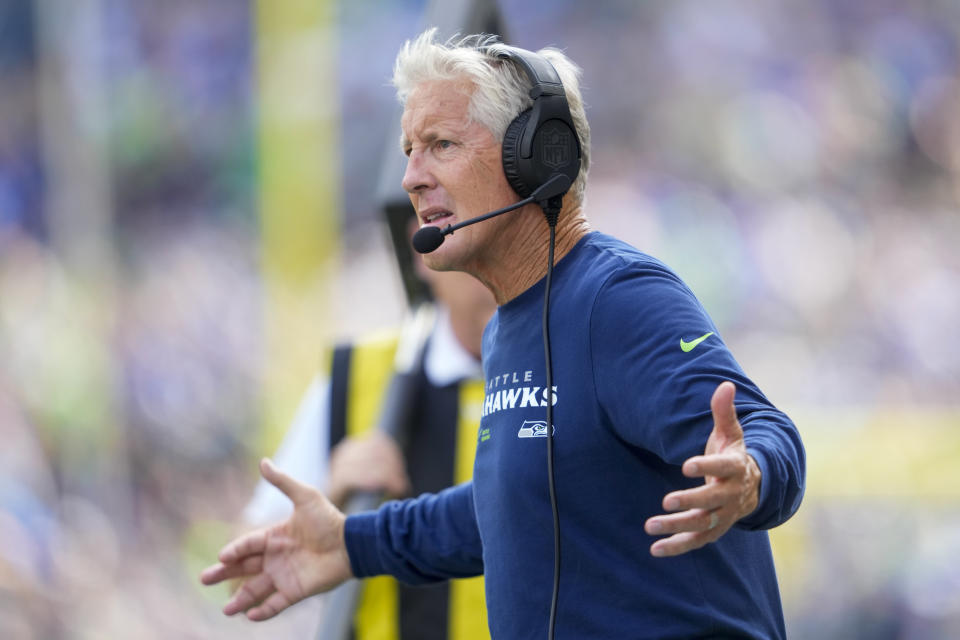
x,y
444,144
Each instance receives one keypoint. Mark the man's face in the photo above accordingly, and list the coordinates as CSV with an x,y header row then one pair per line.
x,y
454,172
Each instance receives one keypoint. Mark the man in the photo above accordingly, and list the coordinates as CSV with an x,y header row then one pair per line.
x,y
637,363
337,415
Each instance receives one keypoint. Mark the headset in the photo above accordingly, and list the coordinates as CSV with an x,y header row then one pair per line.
x,y
542,141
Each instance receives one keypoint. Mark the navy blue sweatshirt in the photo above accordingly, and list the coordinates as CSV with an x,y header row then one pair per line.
x,y
630,406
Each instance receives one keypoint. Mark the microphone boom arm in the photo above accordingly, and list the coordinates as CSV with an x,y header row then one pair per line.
x,y
428,239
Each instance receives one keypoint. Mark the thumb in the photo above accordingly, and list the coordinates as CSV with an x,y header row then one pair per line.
x,y
293,489
725,424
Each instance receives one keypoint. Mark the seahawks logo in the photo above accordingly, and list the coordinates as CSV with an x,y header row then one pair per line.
x,y
534,429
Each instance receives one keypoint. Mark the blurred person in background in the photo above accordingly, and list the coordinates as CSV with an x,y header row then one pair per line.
x,y
332,444
633,399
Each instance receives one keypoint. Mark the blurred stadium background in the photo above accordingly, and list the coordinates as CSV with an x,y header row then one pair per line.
x,y
188,215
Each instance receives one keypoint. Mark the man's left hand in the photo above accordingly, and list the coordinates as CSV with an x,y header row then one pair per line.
x,y
731,489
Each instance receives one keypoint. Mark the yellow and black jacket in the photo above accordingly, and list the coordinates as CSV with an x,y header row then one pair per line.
x,y
441,445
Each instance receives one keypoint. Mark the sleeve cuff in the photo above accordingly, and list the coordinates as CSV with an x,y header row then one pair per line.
x,y
360,537
756,519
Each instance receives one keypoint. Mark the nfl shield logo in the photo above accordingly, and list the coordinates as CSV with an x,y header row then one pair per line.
x,y
555,146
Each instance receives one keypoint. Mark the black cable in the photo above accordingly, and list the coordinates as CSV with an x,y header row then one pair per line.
x,y
552,215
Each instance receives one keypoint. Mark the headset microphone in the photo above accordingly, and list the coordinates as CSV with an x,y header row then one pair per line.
x,y
429,239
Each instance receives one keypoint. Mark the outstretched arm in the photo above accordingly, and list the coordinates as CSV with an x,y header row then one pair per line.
x,y
287,562
730,491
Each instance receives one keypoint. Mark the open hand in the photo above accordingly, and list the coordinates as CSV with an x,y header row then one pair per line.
x,y
287,562
730,491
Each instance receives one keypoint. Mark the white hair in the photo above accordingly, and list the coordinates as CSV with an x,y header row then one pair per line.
x,y
500,88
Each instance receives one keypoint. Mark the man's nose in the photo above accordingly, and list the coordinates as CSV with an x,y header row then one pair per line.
x,y
418,176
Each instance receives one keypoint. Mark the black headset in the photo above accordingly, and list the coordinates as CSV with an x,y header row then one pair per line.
x,y
542,141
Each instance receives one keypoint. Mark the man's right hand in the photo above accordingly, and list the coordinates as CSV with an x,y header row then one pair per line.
x,y
287,562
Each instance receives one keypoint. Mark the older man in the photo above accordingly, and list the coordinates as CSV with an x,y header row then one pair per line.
x,y
644,411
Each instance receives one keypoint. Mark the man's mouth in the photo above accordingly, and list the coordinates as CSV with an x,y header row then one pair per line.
x,y
435,216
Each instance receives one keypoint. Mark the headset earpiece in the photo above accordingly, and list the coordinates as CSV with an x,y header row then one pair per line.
x,y
511,155
542,141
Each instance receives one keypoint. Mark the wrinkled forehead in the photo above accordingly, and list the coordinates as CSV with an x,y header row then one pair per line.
x,y
434,103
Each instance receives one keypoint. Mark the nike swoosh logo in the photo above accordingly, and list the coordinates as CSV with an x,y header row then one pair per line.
x,y
687,347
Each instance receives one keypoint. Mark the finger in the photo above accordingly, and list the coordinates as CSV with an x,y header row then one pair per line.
x,y
690,520
250,593
220,572
718,465
214,574
680,543
707,496
724,412
249,566
293,489
270,607
677,544
249,544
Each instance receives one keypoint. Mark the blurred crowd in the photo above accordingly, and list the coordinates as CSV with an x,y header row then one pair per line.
x,y
799,166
